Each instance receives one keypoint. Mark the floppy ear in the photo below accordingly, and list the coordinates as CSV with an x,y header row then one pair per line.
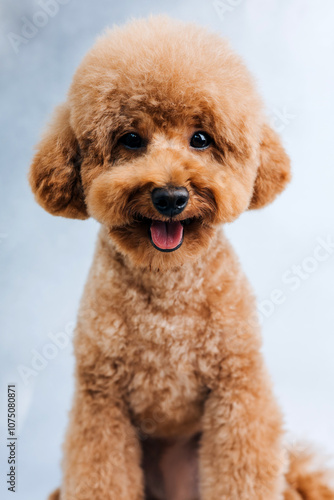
x,y
273,172
55,171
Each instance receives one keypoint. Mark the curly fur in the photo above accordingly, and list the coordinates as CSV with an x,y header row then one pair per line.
x,y
173,401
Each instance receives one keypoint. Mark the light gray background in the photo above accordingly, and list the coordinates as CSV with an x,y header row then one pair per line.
x,y
288,45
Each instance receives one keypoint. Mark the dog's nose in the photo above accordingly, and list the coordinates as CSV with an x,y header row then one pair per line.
x,y
170,201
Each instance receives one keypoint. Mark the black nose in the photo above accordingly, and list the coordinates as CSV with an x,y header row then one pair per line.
x,y
170,201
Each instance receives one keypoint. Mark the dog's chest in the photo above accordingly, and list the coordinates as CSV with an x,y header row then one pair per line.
x,y
164,385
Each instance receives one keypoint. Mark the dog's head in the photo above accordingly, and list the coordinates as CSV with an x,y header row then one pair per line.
x,y
161,140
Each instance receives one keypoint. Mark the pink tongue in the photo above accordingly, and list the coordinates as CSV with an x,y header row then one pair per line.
x,y
166,235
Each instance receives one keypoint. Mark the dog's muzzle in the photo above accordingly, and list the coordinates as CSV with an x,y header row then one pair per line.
x,y
170,201
167,236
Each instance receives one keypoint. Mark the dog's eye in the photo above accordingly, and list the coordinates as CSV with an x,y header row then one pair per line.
x,y
131,140
200,140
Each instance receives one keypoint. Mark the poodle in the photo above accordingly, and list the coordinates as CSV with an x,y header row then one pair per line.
x,y
163,139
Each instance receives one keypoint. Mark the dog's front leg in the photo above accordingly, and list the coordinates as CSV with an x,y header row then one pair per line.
x,y
241,456
102,452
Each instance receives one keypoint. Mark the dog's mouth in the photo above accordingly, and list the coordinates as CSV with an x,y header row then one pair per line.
x,y
165,235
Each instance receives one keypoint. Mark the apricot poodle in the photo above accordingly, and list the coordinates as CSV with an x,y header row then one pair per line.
x,y
163,139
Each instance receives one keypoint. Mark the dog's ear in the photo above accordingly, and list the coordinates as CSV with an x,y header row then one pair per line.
x,y
55,171
273,172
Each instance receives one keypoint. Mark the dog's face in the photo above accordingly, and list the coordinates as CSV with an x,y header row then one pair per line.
x,y
161,140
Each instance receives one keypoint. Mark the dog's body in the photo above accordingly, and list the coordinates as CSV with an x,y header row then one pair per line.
x,y
174,352
162,140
